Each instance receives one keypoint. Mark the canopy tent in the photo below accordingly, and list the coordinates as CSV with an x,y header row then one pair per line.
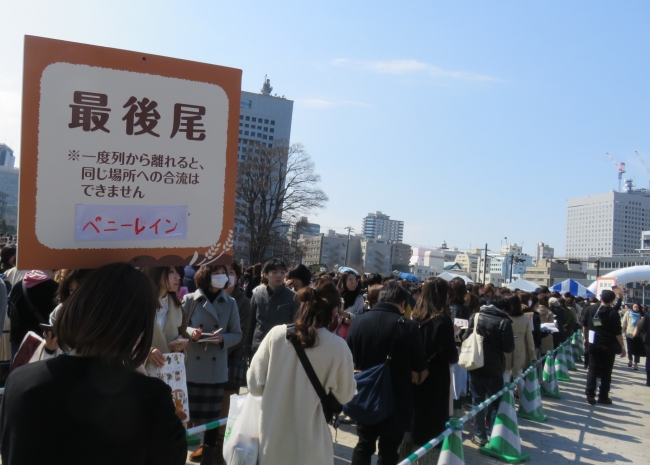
x,y
447,276
574,287
343,269
407,276
522,284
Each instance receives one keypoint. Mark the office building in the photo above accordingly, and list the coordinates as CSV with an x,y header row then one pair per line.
x,y
7,156
400,255
543,251
376,225
548,272
376,256
607,224
330,250
264,121
9,186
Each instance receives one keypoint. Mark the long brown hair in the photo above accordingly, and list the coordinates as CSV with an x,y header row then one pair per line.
x,y
432,301
110,316
161,273
316,307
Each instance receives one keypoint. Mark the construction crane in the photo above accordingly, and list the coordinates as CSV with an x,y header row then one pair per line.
x,y
642,161
621,170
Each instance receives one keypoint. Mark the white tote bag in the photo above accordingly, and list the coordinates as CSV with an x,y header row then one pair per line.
x,y
241,441
471,352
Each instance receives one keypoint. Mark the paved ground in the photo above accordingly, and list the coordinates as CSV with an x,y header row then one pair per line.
x,y
575,432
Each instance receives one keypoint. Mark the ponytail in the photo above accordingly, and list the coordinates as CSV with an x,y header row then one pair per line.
x,y
316,306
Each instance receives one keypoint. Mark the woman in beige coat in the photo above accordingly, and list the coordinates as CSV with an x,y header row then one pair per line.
x,y
169,315
524,353
546,315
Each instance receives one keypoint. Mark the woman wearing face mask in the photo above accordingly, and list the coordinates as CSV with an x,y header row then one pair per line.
x,y
211,322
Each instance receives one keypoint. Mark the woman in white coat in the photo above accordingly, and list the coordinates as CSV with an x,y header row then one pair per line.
x,y
169,314
293,430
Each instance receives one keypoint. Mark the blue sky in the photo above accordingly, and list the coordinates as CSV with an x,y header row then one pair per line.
x,y
469,121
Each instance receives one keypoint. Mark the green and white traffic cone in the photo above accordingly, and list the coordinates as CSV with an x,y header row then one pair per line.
x,y
452,447
568,354
550,387
561,369
575,348
504,443
530,399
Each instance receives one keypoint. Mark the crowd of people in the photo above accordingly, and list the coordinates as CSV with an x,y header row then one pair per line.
x,y
100,329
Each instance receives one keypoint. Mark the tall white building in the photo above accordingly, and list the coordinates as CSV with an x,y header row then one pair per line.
x,y
607,224
264,119
377,224
543,251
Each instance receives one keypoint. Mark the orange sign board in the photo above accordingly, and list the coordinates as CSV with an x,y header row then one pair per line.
x,y
125,156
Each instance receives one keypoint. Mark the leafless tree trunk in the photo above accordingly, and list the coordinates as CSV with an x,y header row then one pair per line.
x,y
274,185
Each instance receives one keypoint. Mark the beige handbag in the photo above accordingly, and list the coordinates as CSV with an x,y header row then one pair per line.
x,y
471,352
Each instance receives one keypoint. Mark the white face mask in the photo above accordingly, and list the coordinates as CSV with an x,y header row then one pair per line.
x,y
231,281
219,280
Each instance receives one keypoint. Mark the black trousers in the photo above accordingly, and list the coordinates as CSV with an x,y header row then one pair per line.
x,y
389,442
601,364
630,349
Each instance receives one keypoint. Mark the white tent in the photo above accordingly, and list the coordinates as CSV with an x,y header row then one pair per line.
x,y
522,284
447,276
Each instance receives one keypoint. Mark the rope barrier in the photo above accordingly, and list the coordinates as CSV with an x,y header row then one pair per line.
x,y
419,453
207,426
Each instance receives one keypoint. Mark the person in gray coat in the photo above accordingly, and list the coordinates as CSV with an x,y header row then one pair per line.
x,y
212,316
272,304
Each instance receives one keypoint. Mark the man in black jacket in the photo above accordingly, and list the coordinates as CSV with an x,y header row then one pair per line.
x,y
603,339
498,338
369,338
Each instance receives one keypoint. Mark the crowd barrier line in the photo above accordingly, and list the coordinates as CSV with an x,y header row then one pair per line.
x,y
419,453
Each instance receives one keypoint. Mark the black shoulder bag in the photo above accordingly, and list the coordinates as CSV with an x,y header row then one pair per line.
x,y
331,407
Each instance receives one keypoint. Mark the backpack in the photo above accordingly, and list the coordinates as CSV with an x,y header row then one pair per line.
x,y
373,401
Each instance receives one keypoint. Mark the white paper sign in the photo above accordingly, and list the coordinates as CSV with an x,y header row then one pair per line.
x,y
119,138
461,323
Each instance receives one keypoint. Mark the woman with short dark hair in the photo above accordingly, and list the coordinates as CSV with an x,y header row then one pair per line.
x,y
290,406
298,277
101,408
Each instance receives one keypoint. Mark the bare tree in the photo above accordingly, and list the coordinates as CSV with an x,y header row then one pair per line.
x,y
274,186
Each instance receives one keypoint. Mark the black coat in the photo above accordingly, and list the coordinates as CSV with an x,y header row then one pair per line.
x,y
432,396
462,312
76,410
496,328
369,339
23,318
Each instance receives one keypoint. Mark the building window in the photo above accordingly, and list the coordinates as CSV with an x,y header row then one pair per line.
x,y
266,121
240,131
248,118
264,136
241,117
271,137
254,120
272,129
266,129
245,133
273,122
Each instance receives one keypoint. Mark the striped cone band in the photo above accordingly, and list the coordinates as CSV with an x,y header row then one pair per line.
x,y
568,354
530,401
452,448
561,371
504,443
550,387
